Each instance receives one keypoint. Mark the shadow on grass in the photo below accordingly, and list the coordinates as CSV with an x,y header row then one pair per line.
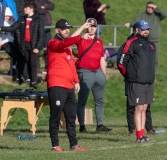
x,y
3,73
97,138
17,148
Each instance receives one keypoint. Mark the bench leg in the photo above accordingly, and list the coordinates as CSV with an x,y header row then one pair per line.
x,y
29,106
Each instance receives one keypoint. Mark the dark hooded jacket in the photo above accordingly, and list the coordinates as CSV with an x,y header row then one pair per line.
x,y
44,12
90,9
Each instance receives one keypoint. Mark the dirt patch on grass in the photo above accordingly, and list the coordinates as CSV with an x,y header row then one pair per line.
x,y
4,62
111,71
6,80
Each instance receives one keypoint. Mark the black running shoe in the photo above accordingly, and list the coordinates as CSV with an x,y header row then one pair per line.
x,y
34,85
82,129
102,128
152,132
19,81
27,81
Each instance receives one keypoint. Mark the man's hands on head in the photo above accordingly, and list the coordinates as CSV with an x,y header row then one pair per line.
x,y
152,6
86,25
80,29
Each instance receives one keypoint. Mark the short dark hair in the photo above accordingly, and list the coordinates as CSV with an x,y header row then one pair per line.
x,y
134,26
150,2
30,4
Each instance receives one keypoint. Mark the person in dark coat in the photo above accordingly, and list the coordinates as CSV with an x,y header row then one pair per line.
x,y
94,9
43,8
31,38
20,7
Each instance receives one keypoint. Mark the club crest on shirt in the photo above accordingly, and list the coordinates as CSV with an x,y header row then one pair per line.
x,y
58,103
69,57
152,47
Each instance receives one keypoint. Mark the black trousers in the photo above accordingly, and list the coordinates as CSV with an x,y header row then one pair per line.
x,y
130,117
31,59
14,51
62,99
46,38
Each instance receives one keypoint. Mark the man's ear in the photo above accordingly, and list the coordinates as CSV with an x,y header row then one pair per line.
x,y
56,30
137,30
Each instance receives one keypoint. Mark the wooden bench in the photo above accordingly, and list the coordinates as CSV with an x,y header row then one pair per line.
x,y
31,102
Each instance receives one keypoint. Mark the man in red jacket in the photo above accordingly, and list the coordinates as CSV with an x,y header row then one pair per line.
x,y
62,83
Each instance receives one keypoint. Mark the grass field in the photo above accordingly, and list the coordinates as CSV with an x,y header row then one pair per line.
x,y
109,146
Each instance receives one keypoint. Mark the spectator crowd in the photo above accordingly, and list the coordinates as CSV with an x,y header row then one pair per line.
x,y
23,35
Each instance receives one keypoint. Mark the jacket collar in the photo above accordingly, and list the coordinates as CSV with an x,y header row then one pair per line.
x,y
58,37
33,16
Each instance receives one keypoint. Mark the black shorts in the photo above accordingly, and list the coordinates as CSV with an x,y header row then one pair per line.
x,y
140,94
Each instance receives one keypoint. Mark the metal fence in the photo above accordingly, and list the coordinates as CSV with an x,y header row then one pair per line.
x,y
115,27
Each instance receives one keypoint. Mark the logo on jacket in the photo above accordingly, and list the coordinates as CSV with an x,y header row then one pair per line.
x,y
58,103
122,58
152,47
137,100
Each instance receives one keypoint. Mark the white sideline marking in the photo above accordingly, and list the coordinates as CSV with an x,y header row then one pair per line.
x,y
105,148
143,144
131,146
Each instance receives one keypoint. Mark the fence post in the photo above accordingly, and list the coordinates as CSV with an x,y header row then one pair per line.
x,y
98,30
115,36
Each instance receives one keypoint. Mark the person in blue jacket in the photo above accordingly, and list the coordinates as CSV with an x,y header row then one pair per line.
x,y
11,4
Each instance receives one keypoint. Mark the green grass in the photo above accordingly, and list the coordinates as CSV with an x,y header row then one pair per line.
x,y
109,146
116,145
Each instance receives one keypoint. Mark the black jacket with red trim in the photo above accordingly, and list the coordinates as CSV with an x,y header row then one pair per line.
x,y
137,63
